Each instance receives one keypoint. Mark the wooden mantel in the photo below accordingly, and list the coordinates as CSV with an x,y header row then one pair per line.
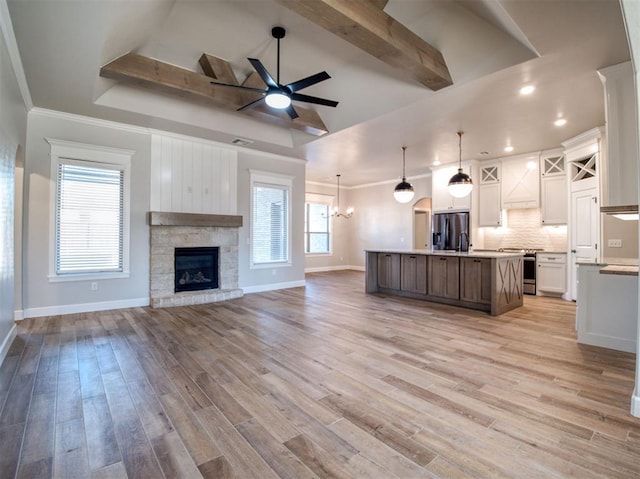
x,y
162,218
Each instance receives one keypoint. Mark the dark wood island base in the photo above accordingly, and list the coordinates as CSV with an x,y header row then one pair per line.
x,y
485,281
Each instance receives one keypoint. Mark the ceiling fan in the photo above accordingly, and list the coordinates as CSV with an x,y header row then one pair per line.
x,y
280,96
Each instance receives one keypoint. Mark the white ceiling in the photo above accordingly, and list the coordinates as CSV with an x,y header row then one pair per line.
x,y
491,47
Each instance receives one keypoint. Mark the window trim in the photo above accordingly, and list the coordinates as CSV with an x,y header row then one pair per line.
x,y
265,178
319,199
69,152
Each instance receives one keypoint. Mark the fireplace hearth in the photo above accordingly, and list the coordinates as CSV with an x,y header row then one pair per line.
x,y
185,282
196,269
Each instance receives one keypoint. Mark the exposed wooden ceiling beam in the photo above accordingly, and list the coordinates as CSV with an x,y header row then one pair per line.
x,y
163,77
363,24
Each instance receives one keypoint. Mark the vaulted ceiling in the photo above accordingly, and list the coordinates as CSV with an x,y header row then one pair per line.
x,y
491,49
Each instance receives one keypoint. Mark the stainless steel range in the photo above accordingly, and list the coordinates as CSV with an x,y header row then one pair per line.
x,y
528,267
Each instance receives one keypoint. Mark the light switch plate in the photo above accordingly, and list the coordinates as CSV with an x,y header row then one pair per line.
x,y
614,243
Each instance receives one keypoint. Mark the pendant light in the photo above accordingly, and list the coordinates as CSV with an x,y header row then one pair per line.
x,y
460,184
336,211
403,192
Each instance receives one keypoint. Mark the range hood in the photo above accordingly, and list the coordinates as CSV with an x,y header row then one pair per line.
x,y
626,212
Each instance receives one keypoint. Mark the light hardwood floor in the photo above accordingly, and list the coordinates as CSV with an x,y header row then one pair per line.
x,y
322,381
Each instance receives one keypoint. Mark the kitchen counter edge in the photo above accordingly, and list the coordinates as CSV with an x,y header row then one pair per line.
x,y
427,252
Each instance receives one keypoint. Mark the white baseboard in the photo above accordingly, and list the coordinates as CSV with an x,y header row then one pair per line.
x,y
323,269
272,286
18,315
84,308
635,402
6,344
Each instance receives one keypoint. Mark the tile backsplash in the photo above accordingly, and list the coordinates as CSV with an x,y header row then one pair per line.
x,y
523,230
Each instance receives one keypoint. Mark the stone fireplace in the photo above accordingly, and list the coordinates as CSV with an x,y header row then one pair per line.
x,y
181,232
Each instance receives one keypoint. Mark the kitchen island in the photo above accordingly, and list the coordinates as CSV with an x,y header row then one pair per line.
x,y
486,281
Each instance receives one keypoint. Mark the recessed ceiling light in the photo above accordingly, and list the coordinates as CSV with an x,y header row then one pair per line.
x,y
560,122
508,149
527,90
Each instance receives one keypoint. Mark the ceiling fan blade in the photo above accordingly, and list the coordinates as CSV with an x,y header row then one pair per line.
x,y
293,114
307,82
250,105
264,74
257,90
313,99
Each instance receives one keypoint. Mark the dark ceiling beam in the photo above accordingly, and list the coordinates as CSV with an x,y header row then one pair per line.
x,y
363,24
159,76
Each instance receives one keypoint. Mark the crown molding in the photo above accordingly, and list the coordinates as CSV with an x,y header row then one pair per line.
x,y
88,120
368,185
14,54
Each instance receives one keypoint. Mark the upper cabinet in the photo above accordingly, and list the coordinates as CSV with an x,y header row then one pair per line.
x,y
520,182
553,187
619,173
489,205
441,199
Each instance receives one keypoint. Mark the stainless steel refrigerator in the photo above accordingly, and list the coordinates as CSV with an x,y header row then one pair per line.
x,y
450,231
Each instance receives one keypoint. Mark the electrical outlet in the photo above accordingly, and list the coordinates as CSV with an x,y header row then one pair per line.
x,y
94,286
614,243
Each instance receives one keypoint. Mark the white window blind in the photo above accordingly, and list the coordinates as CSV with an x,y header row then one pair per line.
x,y
89,225
270,223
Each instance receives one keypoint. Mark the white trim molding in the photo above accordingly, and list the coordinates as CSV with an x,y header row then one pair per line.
x,y
14,54
635,403
84,307
324,269
272,286
6,344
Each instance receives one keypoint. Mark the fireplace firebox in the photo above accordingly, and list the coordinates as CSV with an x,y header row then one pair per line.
x,y
196,268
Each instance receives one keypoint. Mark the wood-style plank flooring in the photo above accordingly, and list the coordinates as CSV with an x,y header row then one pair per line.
x,y
322,381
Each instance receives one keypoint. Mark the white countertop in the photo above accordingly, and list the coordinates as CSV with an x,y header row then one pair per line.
x,y
428,252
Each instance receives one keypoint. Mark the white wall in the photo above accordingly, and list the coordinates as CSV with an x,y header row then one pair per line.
x,y
631,13
379,221
338,233
13,128
42,297
627,231
253,280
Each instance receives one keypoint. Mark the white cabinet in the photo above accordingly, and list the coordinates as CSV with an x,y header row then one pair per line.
x,y
607,312
521,182
553,188
441,199
489,204
619,173
551,276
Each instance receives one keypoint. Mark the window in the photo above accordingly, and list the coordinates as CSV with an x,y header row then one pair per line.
x,y
270,218
317,224
91,213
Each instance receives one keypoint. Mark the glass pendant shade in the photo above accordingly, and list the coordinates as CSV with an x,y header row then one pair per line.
x,y
460,184
403,192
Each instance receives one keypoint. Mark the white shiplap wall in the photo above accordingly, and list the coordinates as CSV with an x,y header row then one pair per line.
x,y
192,176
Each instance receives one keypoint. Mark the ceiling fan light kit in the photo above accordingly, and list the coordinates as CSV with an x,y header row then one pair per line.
x,y
403,192
277,95
460,184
